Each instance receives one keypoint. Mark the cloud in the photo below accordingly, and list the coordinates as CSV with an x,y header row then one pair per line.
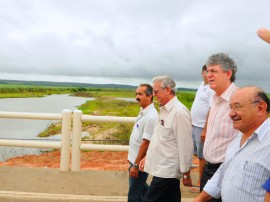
x,y
136,38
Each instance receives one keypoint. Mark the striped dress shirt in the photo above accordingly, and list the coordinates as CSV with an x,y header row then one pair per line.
x,y
245,169
220,131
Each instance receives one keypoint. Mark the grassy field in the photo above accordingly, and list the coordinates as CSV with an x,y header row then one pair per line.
x,y
106,103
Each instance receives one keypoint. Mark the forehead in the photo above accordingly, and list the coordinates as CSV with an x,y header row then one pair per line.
x,y
141,89
157,84
242,95
214,67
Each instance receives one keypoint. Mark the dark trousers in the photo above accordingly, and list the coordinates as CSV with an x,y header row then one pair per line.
x,y
137,187
163,190
209,170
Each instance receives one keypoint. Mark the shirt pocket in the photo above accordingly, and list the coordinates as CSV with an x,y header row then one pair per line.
x,y
139,130
166,133
252,176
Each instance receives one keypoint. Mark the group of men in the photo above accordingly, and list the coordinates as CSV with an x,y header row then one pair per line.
x,y
235,129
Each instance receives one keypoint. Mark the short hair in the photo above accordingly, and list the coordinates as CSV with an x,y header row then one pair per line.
x,y
166,81
263,96
204,68
226,63
149,89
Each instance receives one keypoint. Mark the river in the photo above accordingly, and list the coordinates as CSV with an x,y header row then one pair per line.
x,y
29,129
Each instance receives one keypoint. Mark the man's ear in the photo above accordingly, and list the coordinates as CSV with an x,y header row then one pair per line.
x,y
229,74
262,106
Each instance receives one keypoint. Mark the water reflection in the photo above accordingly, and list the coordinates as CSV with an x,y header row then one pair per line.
x,y
28,129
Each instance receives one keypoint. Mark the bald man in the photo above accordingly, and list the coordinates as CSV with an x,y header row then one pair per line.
x,y
247,160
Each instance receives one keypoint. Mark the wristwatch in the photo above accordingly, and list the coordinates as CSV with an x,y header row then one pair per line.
x,y
186,176
135,165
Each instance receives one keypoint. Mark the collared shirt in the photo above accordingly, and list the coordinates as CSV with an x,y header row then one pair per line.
x,y
245,169
220,131
171,148
142,129
201,105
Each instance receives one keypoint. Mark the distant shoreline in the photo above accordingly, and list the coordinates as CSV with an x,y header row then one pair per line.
x,y
74,84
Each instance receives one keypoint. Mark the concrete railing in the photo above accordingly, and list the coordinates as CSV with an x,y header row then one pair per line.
x,y
68,128
77,147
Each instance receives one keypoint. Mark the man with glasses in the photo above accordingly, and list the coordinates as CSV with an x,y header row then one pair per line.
x,y
247,160
218,131
169,156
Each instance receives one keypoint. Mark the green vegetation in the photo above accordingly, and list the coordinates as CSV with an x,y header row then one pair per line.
x,y
105,104
52,129
186,97
18,91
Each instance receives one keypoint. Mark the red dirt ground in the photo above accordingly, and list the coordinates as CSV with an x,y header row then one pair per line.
x,y
94,160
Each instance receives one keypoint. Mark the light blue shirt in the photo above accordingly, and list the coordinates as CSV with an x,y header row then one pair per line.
x,y
245,169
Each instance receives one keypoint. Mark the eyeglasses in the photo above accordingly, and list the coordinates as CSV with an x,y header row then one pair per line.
x,y
237,106
156,91
215,71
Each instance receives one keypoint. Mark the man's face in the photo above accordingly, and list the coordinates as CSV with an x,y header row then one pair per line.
x,y
141,97
243,110
160,93
217,77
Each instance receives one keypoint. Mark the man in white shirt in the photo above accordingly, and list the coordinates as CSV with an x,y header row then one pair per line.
x,y
199,112
139,141
169,156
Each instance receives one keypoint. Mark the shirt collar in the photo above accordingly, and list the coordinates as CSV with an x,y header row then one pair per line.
x,y
263,129
170,104
148,108
226,95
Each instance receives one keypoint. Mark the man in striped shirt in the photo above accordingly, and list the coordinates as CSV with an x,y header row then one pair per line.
x,y
219,131
247,160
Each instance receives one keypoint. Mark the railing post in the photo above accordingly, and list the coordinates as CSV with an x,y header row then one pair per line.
x,y
76,141
65,140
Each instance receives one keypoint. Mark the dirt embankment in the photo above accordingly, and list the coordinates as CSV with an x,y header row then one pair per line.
x,y
94,160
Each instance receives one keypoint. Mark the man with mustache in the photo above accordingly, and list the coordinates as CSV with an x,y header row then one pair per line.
x,y
219,131
247,161
139,141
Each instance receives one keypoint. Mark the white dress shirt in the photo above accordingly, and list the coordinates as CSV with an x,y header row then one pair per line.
x,y
171,148
142,129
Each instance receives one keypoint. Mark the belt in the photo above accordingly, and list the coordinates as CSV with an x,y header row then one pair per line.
x,y
212,165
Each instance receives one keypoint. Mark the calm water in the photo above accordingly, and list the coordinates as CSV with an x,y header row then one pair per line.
x,y
29,129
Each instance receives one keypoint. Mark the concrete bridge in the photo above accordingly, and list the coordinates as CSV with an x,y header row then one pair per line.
x,y
21,184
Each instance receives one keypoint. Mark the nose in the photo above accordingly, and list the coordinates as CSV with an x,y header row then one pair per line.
x,y
232,113
209,74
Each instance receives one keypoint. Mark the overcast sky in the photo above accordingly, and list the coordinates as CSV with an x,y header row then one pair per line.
x,y
132,38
